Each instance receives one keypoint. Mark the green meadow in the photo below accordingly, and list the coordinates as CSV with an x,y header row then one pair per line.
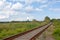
x,y
13,28
8,29
56,32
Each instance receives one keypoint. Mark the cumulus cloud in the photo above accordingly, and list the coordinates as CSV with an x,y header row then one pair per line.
x,y
17,6
23,17
31,1
38,9
3,16
29,8
5,9
1,4
21,8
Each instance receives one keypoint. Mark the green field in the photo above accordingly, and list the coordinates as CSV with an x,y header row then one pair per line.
x,y
12,28
56,32
8,29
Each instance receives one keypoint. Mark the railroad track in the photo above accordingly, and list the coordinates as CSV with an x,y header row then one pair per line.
x,y
29,35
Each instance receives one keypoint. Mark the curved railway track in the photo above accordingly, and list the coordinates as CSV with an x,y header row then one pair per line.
x,y
29,35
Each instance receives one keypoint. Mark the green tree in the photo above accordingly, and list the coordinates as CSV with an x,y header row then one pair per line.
x,y
34,20
47,19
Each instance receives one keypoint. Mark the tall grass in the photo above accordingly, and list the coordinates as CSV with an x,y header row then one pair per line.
x,y
12,28
56,32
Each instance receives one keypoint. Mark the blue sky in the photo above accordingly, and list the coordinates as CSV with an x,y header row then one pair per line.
x,y
21,10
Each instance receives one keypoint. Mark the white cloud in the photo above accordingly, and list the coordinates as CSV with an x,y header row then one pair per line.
x,y
30,18
19,19
4,5
8,13
23,17
30,1
2,0
1,4
17,6
41,1
27,18
6,10
38,9
29,8
8,6
57,10
3,16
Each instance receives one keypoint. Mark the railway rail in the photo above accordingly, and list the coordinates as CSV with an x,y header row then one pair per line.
x,y
31,34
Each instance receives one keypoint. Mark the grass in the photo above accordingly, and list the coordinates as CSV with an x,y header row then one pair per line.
x,y
56,32
12,28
